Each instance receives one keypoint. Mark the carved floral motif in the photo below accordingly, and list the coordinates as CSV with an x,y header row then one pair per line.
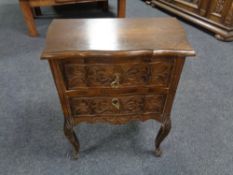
x,y
229,17
219,6
75,75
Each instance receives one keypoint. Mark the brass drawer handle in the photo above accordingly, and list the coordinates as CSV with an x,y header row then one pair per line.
x,y
116,103
116,82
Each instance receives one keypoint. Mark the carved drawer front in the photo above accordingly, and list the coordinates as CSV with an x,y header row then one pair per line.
x,y
117,75
138,104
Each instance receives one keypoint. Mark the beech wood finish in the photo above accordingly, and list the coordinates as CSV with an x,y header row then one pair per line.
x,y
214,15
31,8
124,70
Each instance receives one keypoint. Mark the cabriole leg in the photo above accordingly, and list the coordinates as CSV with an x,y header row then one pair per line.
x,y
71,136
162,134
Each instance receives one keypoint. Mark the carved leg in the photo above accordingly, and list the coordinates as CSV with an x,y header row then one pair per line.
x,y
163,132
71,136
28,16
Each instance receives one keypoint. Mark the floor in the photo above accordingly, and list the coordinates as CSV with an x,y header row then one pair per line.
x,y
31,136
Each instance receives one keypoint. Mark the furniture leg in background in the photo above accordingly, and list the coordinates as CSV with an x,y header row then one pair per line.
x,y
121,8
28,17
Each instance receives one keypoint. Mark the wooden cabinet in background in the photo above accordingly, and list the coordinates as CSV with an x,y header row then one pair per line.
x,y
214,15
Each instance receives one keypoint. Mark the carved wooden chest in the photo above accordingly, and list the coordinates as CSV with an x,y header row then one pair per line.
x,y
116,70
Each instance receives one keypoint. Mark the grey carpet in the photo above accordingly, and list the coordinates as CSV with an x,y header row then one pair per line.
x,y
31,136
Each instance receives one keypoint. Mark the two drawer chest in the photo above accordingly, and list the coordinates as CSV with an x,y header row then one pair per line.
x,y
116,70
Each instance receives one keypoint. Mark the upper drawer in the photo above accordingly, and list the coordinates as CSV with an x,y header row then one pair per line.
x,y
156,73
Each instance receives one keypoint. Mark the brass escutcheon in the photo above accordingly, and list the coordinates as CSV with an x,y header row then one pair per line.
x,y
116,82
116,103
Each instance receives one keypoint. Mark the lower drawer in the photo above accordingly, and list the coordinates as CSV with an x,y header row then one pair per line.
x,y
120,105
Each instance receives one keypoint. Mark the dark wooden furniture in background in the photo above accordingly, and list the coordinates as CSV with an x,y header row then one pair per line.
x,y
214,15
105,71
30,7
